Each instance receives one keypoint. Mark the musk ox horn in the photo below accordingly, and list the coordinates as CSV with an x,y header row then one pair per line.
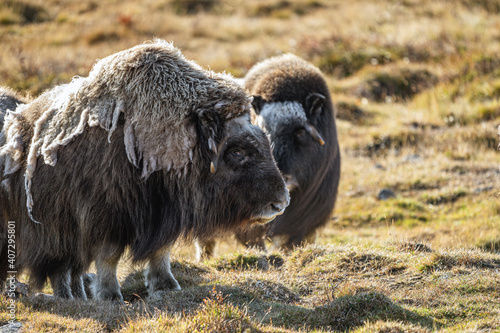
x,y
218,152
211,145
215,162
315,134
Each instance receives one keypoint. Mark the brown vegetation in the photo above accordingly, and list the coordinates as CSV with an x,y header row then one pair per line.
x,y
416,87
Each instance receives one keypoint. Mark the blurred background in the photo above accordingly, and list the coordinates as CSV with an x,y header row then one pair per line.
x,y
416,86
413,242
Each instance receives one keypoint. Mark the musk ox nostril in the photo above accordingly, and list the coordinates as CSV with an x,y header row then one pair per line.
x,y
279,206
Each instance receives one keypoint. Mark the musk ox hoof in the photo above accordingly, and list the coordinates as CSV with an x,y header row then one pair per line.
x,y
159,294
106,292
109,295
165,283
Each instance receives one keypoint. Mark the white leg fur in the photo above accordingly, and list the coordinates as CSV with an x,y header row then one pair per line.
x,y
204,249
159,277
106,285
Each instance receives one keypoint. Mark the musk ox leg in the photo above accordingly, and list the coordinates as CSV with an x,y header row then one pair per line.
x,y
280,241
253,237
159,277
204,248
285,242
77,287
61,284
311,237
88,281
106,285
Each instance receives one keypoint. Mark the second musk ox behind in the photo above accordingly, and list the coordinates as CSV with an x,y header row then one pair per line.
x,y
148,148
293,106
9,100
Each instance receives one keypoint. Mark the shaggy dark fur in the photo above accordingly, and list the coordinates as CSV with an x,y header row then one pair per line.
x,y
93,203
306,145
292,104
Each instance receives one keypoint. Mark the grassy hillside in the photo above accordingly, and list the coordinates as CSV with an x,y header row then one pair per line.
x,y
416,85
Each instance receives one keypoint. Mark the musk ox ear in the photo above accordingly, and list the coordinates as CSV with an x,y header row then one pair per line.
x,y
258,103
314,105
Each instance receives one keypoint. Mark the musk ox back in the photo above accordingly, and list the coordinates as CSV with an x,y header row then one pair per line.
x,y
292,104
146,149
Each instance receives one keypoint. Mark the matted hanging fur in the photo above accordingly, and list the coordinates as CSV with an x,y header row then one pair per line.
x,y
153,86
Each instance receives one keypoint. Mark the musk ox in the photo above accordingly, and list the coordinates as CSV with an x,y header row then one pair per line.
x,y
292,104
148,148
9,100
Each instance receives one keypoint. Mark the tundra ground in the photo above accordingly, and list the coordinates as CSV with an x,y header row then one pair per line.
x,y
416,86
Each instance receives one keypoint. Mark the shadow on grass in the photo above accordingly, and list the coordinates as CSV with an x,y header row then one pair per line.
x,y
113,315
348,312
342,314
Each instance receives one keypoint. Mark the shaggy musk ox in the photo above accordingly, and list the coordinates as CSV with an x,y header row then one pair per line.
x,y
292,104
146,149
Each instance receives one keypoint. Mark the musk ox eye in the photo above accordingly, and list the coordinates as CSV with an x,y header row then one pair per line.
x,y
239,156
300,134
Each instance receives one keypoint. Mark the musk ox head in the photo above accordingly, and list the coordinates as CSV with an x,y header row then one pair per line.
x,y
243,183
292,105
296,140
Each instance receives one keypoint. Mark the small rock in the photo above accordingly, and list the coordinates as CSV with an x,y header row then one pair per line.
x,y
483,189
415,247
385,194
379,166
11,328
43,296
20,290
275,261
412,158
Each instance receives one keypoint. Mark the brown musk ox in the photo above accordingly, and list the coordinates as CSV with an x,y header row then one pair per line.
x,y
148,148
292,104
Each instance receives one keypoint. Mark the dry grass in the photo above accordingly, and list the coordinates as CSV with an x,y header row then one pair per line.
x,y
416,87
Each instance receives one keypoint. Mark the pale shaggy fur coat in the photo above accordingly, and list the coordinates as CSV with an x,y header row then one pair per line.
x,y
152,85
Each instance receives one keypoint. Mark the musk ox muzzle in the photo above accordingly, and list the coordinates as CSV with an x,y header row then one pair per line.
x,y
147,149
